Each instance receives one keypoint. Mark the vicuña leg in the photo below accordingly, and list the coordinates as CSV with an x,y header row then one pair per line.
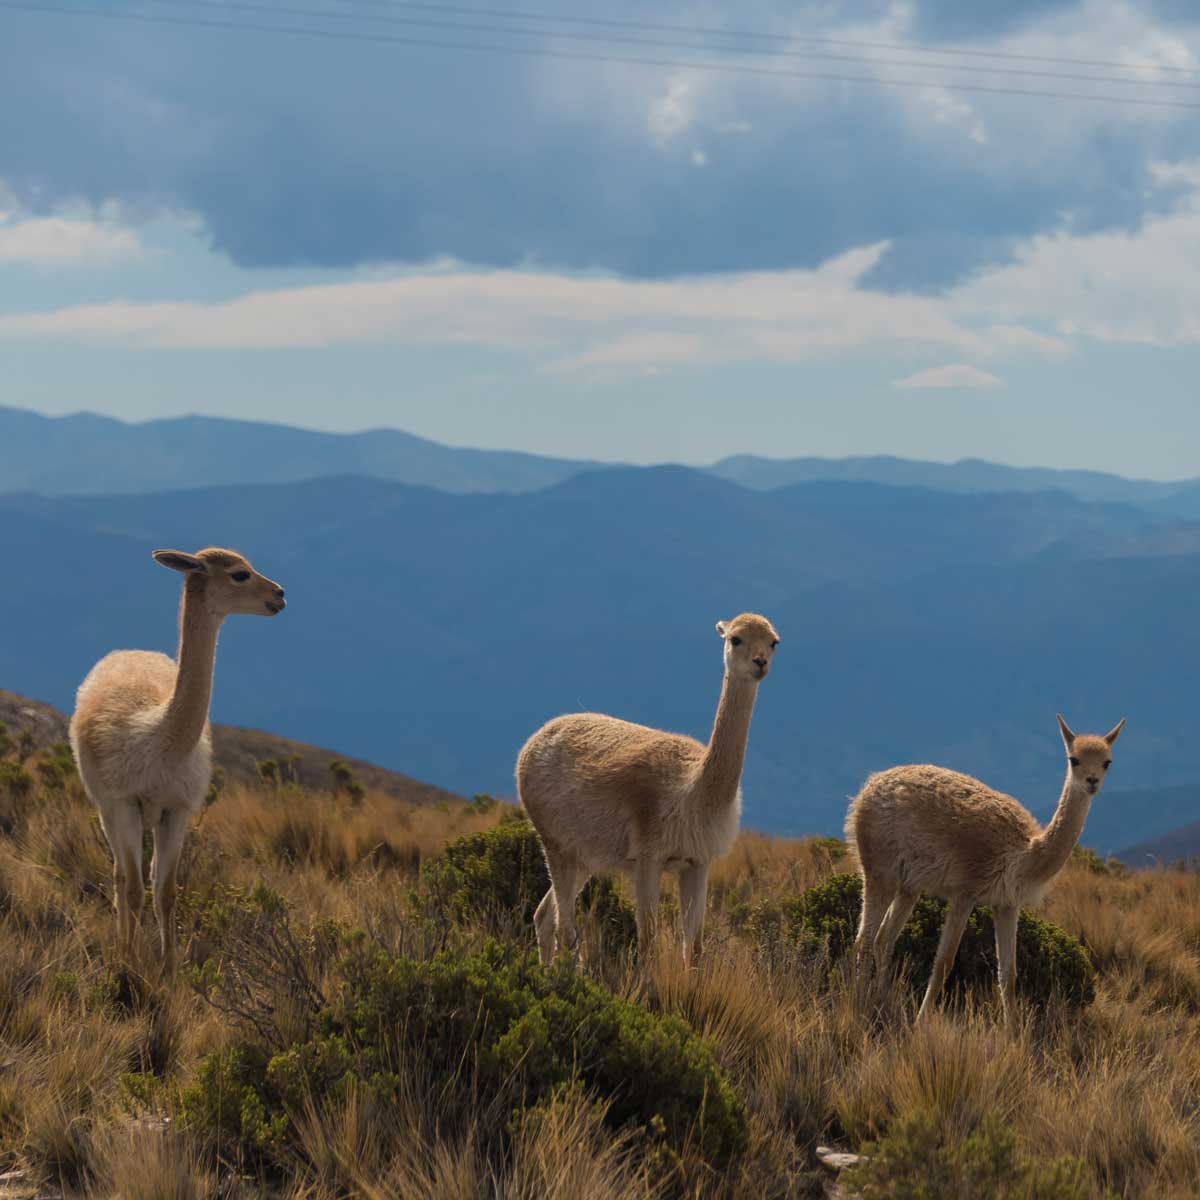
x,y
544,921
168,846
1005,920
647,879
567,878
122,825
693,896
957,915
886,937
877,896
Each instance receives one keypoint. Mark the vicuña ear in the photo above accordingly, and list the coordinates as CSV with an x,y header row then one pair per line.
x,y
1115,732
177,560
1067,736
721,628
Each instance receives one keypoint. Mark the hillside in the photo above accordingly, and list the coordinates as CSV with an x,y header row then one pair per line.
x,y
361,1016
432,633
238,752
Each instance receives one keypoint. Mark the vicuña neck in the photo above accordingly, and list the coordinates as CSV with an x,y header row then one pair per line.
x,y
1049,851
186,715
721,769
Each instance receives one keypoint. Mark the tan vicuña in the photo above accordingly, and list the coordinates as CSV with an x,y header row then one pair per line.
x,y
927,829
141,736
608,795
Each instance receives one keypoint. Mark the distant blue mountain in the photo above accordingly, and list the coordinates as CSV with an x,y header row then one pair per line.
x,y
85,453
432,632
88,454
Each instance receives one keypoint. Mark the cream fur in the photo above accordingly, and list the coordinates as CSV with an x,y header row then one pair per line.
x,y
141,737
927,829
608,795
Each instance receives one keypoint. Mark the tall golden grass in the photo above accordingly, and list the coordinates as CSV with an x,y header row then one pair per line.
x,y
93,1056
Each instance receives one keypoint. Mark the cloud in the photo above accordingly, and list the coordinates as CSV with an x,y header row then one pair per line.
x,y
952,375
514,161
59,241
1138,287
570,323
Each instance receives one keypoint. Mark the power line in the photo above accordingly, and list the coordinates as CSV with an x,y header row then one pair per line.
x,y
760,35
427,23
581,56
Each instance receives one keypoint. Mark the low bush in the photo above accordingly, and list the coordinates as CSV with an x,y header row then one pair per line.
x,y
492,1023
499,875
917,1160
1050,963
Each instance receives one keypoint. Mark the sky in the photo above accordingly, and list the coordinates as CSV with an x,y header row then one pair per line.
x,y
925,228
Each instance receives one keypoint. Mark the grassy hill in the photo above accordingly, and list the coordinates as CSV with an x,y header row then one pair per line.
x,y
239,753
359,1017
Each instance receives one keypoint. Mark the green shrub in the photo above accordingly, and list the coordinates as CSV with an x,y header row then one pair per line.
x,y
1050,963
1088,859
495,1023
916,1161
229,1101
500,876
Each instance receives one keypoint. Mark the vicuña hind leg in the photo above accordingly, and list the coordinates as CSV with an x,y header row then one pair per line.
x,y
544,921
877,896
886,937
567,878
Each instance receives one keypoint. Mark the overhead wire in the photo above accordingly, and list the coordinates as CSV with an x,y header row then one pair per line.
x,y
619,39
762,35
345,35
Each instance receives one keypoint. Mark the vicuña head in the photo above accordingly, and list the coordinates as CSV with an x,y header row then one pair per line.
x,y
608,795
227,581
1088,756
750,640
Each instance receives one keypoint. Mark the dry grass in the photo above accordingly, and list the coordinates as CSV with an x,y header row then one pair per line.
x,y
93,1055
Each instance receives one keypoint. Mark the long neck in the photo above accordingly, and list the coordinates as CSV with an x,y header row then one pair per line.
x,y
186,715
1049,851
721,769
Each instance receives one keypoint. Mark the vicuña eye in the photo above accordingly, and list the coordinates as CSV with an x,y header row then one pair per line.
x,y
774,643
1073,761
735,641
240,576
1108,764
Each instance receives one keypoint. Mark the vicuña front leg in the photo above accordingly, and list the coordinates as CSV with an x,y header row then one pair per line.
x,y
646,882
693,897
1006,920
168,847
957,915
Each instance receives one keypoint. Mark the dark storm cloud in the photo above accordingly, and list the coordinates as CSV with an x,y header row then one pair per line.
x,y
313,151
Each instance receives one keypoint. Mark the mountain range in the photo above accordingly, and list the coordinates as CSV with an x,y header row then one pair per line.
x,y
85,453
431,631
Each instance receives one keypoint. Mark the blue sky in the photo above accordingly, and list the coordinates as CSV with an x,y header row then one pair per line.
x,y
610,258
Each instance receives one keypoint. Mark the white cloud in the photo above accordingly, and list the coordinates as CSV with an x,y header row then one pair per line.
x,y
570,322
674,111
952,375
1137,287
63,241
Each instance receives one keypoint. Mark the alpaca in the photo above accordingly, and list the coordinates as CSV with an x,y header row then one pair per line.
x,y
141,737
927,829
606,795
